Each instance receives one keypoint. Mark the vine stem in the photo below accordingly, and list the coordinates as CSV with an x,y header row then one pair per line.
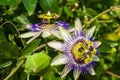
x,y
13,71
83,5
84,10
41,78
113,74
15,29
107,21
93,19
28,76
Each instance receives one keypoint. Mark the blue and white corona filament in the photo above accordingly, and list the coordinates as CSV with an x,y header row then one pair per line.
x,y
80,51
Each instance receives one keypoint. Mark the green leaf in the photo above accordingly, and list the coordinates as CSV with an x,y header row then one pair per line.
x,y
22,75
30,47
37,62
30,5
8,50
8,2
5,64
22,19
111,36
68,12
2,36
60,10
105,47
49,5
71,2
91,11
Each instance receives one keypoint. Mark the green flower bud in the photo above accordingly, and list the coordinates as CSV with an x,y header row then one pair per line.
x,y
36,63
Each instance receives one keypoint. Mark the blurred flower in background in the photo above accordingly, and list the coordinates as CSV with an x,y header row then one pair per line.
x,y
45,27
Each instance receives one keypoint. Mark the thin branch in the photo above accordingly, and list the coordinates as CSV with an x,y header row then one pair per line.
x,y
93,19
43,45
13,71
39,47
84,10
113,74
106,21
15,29
41,78
28,77
83,5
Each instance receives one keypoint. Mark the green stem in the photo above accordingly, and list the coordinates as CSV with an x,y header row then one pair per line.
x,y
13,71
15,29
113,74
83,5
93,19
39,47
84,10
41,78
28,77
43,45
106,21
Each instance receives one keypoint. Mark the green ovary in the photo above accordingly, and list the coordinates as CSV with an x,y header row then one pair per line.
x,y
83,51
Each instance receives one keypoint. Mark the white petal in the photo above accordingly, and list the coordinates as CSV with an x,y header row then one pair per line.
x,y
66,70
56,45
65,34
46,34
56,34
91,70
78,25
97,44
90,32
96,58
76,73
28,26
59,60
28,34
71,29
34,37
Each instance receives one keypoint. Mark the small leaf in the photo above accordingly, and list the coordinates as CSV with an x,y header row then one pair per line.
x,y
68,12
37,62
30,47
49,5
105,17
60,10
2,36
22,19
111,36
30,5
105,47
5,64
51,75
91,11
8,2
71,2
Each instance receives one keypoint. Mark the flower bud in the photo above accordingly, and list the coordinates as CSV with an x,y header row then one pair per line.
x,y
36,63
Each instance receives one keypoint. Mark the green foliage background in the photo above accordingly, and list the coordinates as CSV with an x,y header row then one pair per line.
x,y
15,14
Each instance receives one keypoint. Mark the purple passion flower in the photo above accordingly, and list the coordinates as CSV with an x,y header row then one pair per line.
x,y
44,28
80,51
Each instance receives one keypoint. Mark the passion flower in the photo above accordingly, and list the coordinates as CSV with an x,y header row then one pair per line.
x,y
81,51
